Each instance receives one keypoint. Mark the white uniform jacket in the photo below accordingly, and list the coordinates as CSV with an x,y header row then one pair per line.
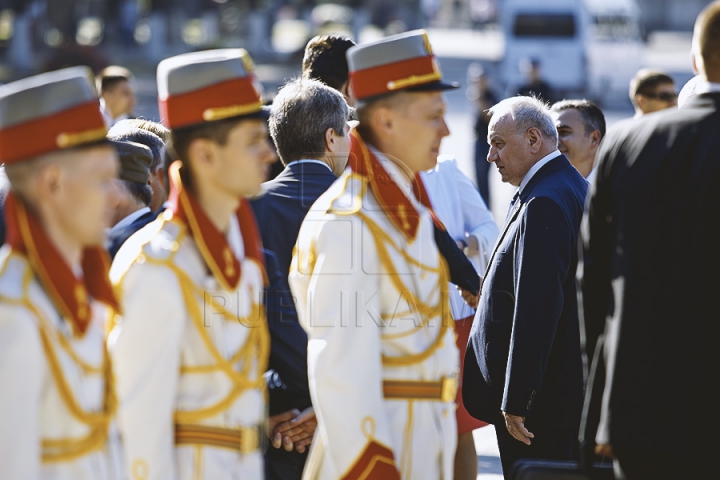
x,y
54,385
374,304
188,357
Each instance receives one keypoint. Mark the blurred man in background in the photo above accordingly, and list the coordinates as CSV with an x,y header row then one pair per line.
x,y
131,209
651,91
115,85
581,126
534,86
483,97
141,131
325,60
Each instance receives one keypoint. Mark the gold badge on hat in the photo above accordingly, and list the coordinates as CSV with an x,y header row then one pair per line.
x,y
248,63
427,43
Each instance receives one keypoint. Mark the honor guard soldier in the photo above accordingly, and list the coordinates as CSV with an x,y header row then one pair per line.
x,y
57,394
192,346
372,288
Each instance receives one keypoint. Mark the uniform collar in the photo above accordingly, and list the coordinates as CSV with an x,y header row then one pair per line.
x,y
396,196
219,252
69,293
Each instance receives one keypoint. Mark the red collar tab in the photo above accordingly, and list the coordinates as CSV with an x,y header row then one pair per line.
x,y
70,295
70,128
231,98
213,245
396,205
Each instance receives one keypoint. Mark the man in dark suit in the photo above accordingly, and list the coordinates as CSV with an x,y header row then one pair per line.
x,y
308,124
125,132
131,207
523,370
648,306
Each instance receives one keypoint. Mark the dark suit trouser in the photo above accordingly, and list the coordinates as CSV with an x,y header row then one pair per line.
x,y
548,444
283,465
633,463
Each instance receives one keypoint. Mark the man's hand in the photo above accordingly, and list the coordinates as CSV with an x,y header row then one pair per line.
x,y
516,426
471,247
280,419
297,431
604,450
469,298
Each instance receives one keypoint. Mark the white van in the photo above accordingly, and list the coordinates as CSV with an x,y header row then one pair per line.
x,y
585,47
614,49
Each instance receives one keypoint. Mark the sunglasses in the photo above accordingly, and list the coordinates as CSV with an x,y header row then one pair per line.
x,y
662,96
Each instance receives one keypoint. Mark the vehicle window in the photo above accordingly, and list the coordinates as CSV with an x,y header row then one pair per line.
x,y
545,25
613,27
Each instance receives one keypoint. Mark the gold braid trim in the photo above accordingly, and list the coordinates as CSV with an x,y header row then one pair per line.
x,y
427,312
69,449
257,345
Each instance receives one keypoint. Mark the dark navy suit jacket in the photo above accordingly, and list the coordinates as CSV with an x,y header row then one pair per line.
x,y
283,204
279,211
523,356
648,277
117,237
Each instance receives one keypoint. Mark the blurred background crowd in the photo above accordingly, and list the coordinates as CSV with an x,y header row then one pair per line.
x,y
557,49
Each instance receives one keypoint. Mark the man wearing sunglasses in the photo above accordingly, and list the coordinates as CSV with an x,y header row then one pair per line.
x,y
651,91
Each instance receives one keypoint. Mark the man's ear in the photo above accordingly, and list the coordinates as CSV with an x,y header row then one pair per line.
x,y
49,181
640,101
595,138
347,92
160,174
330,141
200,151
534,138
383,120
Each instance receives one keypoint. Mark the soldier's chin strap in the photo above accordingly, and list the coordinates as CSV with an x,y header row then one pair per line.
x,y
213,245
70,294
393,201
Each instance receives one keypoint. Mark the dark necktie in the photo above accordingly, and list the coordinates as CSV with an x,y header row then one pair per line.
x,y
513,204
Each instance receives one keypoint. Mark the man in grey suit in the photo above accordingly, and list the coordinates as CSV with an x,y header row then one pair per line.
x,y
648,309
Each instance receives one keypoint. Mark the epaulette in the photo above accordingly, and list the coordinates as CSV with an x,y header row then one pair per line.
x,y
13,269
345,196
158,240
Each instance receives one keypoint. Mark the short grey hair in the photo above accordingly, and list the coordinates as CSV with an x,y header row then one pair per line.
x,y
300,115
527,112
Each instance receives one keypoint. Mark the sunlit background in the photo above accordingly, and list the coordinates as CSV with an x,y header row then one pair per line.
x,y
589,48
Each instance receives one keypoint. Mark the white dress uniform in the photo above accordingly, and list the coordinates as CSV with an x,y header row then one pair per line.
x,y
57,400
54,385
189,354
192,346
382,360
